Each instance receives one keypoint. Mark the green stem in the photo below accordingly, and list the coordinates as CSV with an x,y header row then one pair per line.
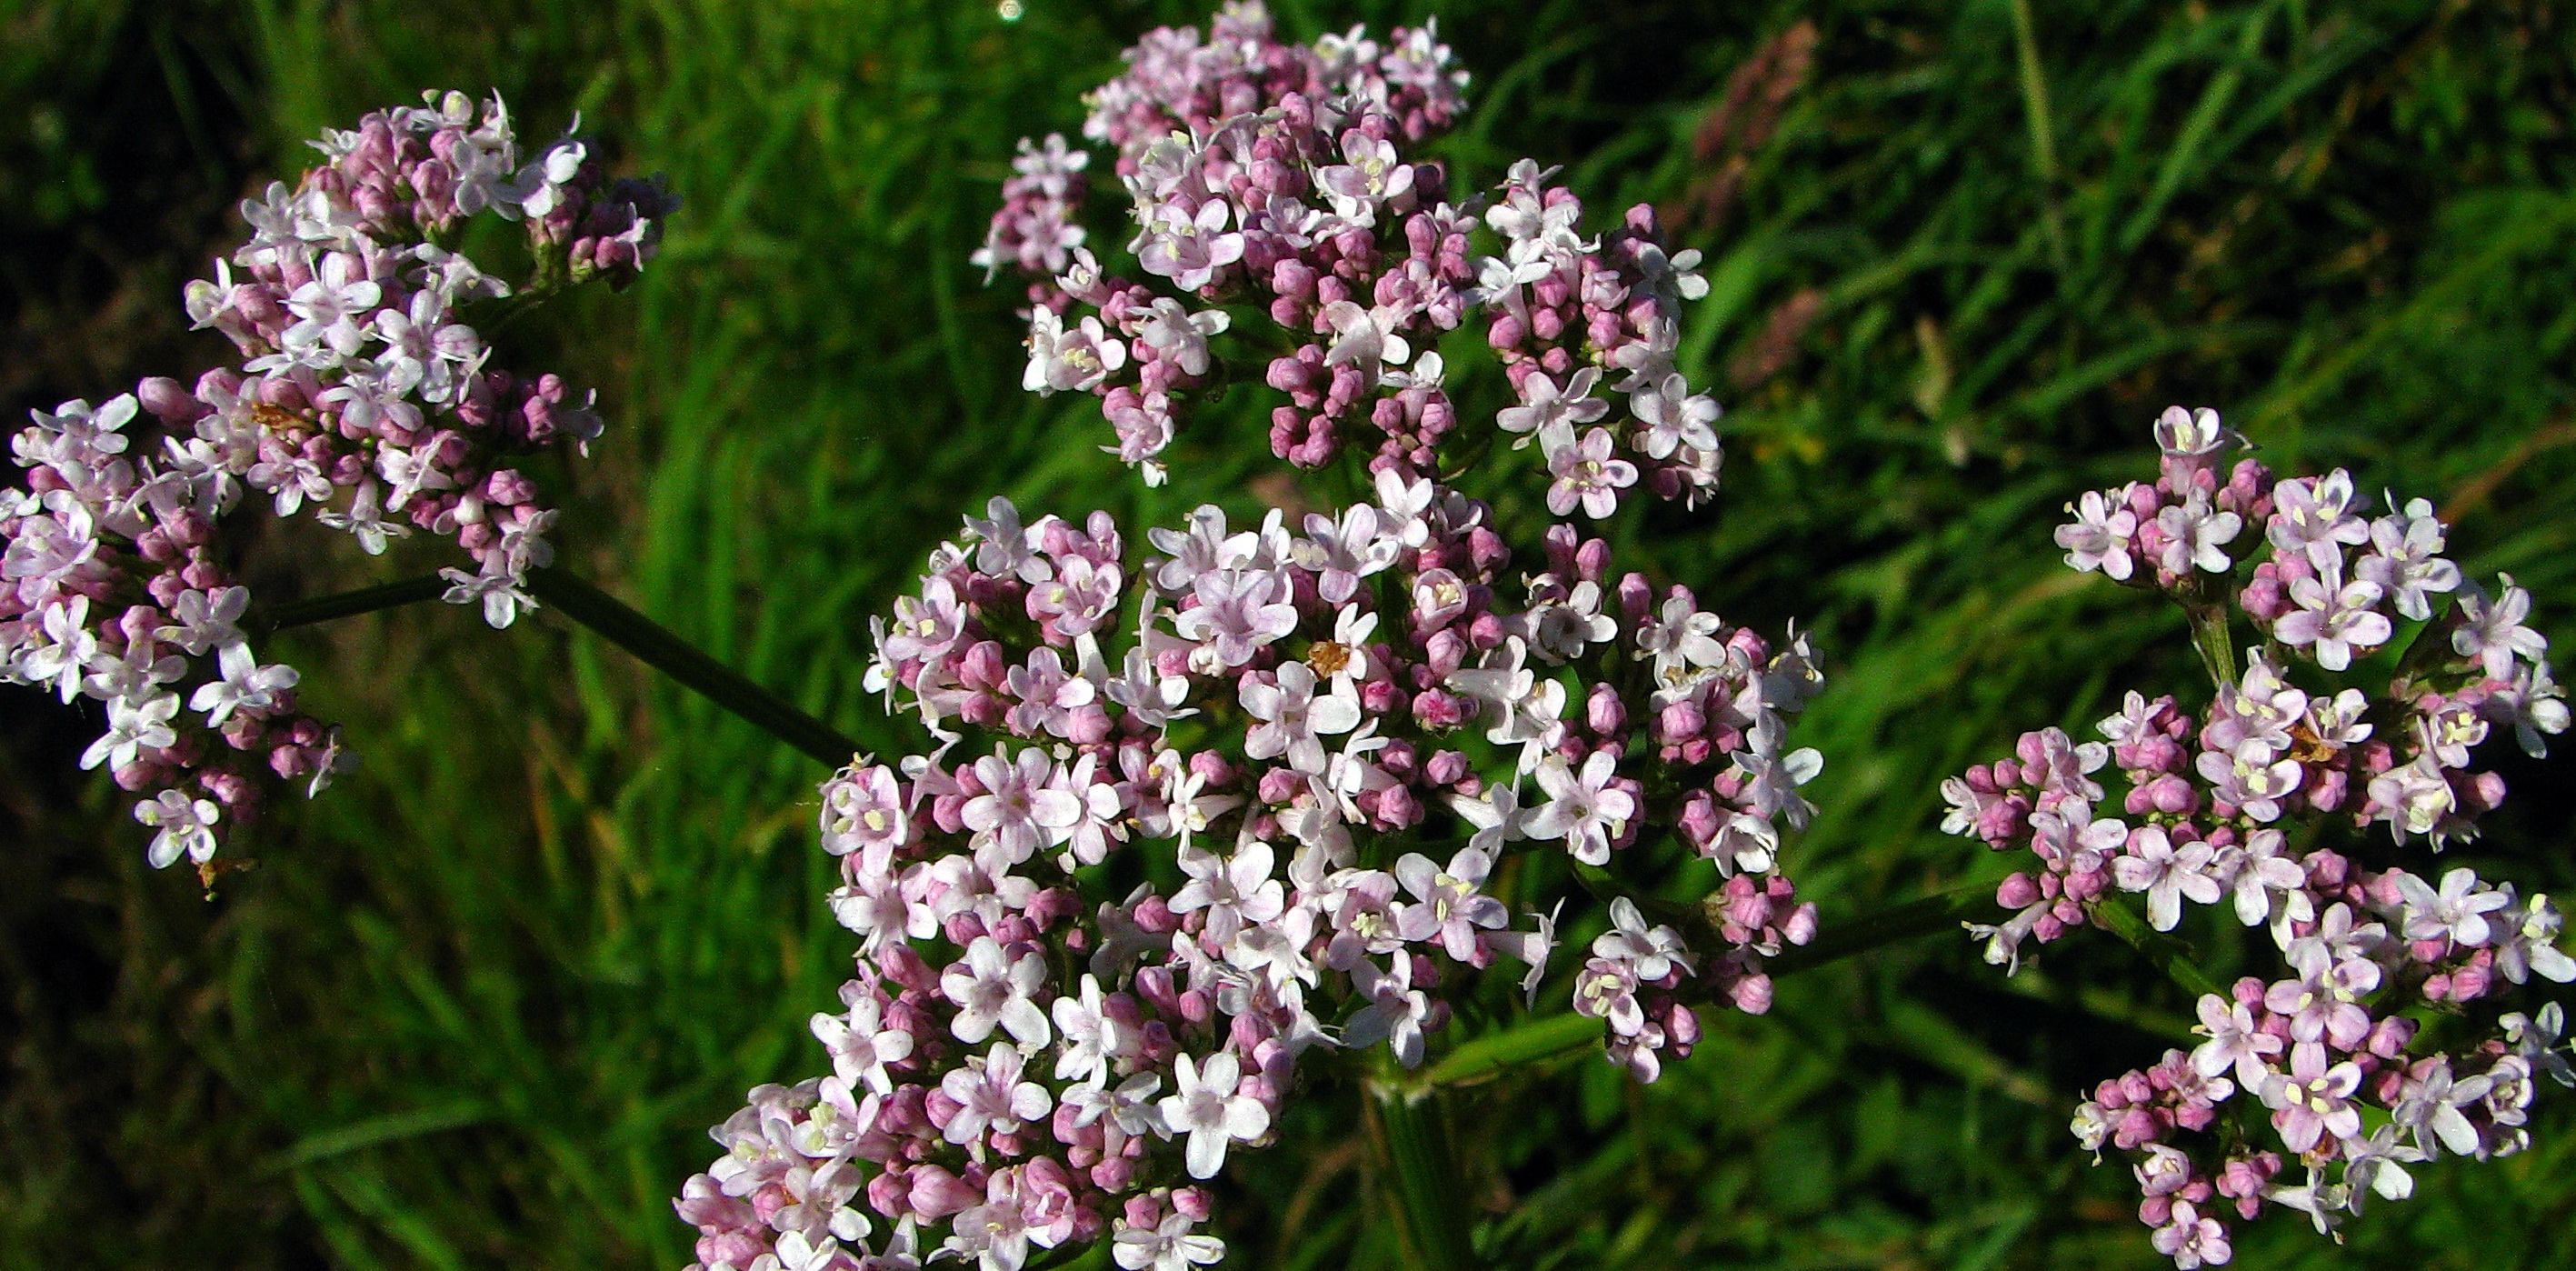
x,y
1940,911
349,604
1493,1053
2210,636
620,625
1412,1138
2168,955
1554,1035
655,646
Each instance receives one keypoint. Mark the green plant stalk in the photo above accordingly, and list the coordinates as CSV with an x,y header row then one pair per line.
x,y
349,604
1940,911
1412,1141
656,647
619,624
2209,635
1555,1035
2169,955
1490,1055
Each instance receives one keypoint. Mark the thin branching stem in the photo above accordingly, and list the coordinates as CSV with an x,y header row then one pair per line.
x,y
619,624
657,647
349,604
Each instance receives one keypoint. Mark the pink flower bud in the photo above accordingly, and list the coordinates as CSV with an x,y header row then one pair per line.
x,y
2017,891
936,1193
1604,711
1752,994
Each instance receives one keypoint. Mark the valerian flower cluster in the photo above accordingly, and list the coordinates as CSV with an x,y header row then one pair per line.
x,y
1337,740
365,396
1254,793
1284,181
2382,668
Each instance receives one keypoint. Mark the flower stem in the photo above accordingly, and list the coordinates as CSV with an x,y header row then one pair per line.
x,y
1412,1139
2210,636
2168,955
350,604
655,646
1489,1055
618,624
1553,1035
1940,911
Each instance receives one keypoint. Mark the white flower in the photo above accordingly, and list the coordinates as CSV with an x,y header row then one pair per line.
x,y
1651,952
1395,1013
2195,532
1091,1036
1169,1247
501,592
1182,336
1080,359
1204,1106
1584,471
1560,631
206,621
1675,417
1020,809
2264,872
991,988
1188,248
861,1045
1294,718
1584,809
2457,912
1771,779
131,728
2101,534
246,685
63,649
1370,174
1544,403
2166,873
187,827
1366,338
365,520
990,1095
331,305
2406,559
1498,816
2337,618
1234,892
2493,632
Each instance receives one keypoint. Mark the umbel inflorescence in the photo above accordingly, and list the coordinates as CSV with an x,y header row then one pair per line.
x,y
1340,756
1286,182
2378,1038
1198,808
366,396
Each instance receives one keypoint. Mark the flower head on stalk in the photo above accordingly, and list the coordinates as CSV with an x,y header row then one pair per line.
x,y
1149,1035
1288,179
365,395
1332,742
2318,732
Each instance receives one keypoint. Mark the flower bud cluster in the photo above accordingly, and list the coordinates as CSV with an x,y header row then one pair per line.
x,y
1039,225
2346,1084
2211,808
362,375
365,398
1329,739
1273,178
113,591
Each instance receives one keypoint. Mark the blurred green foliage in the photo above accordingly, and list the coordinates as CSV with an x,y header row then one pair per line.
x,y
487,994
